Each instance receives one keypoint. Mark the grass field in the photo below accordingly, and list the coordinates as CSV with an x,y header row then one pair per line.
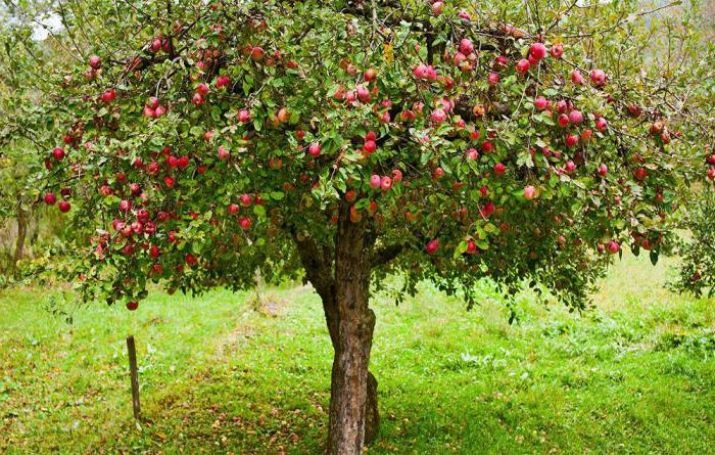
x,y
635,375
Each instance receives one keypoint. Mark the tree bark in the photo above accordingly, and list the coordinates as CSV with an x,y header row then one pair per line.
x,y
341,278
21,235
350,378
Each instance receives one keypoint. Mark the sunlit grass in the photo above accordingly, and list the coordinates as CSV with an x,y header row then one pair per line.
x,y
635,375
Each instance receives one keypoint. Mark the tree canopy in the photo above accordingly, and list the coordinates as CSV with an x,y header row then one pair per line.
x,y
208,139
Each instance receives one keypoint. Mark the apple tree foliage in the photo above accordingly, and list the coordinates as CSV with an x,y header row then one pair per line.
x,y
27,129
344,141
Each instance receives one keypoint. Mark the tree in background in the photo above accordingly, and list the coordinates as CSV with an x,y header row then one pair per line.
x,y
25,131
346,141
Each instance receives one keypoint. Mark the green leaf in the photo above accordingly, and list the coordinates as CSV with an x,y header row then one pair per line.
x,y
654,257
259,211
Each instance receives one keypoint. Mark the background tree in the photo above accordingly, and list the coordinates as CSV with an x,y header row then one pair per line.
x,y
26,130
345,141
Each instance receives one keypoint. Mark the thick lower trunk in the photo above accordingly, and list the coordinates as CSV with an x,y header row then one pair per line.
x,y
342,280
349,390
372,413
351,406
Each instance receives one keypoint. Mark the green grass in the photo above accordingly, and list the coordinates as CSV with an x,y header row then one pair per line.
x,y
635,375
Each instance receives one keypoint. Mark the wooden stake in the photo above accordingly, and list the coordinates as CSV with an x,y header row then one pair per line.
x,y
134,376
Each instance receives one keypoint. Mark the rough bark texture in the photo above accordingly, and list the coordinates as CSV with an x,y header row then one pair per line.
x,y
349,394
341,278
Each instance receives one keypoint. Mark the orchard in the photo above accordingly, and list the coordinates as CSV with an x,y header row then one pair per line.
x,y
342,142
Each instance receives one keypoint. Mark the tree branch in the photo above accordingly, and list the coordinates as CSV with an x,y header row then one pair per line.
x,y
386,254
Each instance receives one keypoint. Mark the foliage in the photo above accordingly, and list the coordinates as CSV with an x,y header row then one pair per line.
x,y
697,272
27,130
202,141
215,377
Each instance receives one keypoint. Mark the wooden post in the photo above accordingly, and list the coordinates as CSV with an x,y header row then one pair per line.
x,y
134,376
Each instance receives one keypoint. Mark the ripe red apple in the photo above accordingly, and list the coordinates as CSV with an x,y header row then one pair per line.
x,y
385,183
223,81
487,210
562,106
50,198
152,102
223,153
530,192
471,247
576,117
472,154
541,103
257,53
640,173
564,120
109,95
245,199
570,167
598,77
601,124
132,305
362,93
571,140
314,150
523,66
64,206
155,45
499,169
537,51
370,74
375,181
466,46
95,62
203,89
576,77
369,147
58,153
283,115
634,110
190,260
245,223
432,246
197,99
437,8
493,78
613,247
438,116
557,50
244,116
603,170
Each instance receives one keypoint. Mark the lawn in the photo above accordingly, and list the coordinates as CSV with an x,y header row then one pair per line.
x,y
221,374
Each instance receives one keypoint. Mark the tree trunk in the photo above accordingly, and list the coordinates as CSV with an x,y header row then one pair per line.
x,y
350,378
341,278
21,235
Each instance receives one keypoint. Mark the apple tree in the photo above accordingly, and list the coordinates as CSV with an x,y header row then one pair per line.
x,y
343,141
